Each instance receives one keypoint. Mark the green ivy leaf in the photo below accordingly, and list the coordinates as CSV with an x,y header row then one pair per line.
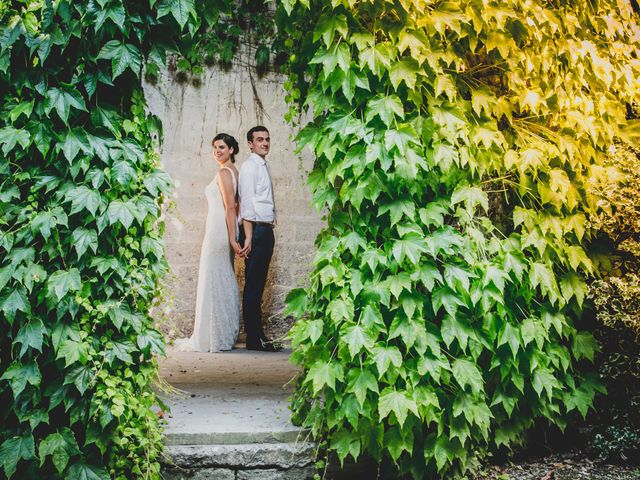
x,y
573,285
433,366
22,109
81,376
397,210
122,172
346,443
455,329
121,350
354,242
121,212
398,402
386,356
19,375
62,282
15,301
543,379
457,278
385,107
584,346
82,198
508,402
510,335
513,262
43,223
378,57
405,70
72,350
341,309
15,449
363,382
151,341
398,284
410,248
443,240
466,373
179,9
446,297
433,214
60,447
75,140
428,274
123,56
542,275
31,336
10,137
496,276
532,329
328,26
82,471
582,397
323,374
357,338
6,274
158,182
63,101
471,197
83,238
397,442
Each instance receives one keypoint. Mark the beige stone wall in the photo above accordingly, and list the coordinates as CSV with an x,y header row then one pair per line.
x,y
232,102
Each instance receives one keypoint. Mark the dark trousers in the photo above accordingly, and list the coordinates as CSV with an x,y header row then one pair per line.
x,y
256,268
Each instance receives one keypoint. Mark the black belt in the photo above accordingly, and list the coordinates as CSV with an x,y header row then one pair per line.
x,y
264,224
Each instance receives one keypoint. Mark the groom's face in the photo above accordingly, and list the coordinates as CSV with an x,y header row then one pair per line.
x,y
260,143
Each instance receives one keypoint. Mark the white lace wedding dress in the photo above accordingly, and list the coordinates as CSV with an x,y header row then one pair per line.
x,y
218,300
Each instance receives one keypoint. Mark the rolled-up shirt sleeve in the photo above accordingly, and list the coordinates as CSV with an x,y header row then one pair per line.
x,y
247,191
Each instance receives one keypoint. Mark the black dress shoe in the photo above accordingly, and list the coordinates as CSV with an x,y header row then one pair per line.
x,y
263,346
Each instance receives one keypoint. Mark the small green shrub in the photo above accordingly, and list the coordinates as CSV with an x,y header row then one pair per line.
x,y
614,430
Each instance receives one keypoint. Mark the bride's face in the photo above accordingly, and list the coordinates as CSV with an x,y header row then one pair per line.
x,y
221,151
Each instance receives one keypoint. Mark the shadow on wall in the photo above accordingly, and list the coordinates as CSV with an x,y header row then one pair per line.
x,y
230,101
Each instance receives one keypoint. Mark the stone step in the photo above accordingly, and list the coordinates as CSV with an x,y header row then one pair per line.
x,y
229,418
292,435
264,461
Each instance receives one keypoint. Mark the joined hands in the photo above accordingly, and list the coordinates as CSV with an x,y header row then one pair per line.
x,y
241,251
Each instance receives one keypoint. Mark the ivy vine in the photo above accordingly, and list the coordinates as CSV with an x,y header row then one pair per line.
x,y
454,141
216,35
80,236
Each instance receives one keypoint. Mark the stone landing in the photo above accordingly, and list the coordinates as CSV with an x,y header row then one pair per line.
x,y
229,418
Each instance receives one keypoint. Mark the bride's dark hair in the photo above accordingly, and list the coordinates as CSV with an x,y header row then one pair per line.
x,y
230,142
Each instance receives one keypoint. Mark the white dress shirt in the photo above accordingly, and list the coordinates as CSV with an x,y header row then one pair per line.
x,y
256,191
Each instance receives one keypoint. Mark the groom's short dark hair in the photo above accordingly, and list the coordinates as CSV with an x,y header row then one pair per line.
x,y
257,128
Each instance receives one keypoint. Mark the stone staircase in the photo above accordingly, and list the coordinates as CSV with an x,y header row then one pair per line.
x,y
229,418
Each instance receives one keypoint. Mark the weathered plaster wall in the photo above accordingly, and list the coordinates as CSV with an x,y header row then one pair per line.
x,y
229,101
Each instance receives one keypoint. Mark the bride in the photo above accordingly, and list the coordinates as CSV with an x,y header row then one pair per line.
x,y
218,301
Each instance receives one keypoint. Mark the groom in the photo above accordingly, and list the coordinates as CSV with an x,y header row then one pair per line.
x,y
258,214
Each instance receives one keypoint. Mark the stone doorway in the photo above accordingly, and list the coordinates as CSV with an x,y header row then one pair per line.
x,y
230,101
229,416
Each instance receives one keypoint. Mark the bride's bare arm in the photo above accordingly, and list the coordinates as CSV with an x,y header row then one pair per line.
x,y
226,187
248,235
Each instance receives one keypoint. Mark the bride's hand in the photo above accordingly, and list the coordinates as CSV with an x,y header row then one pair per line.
x,y
236,249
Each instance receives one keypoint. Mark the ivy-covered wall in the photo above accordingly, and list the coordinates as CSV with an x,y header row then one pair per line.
x,y
81,246
455,142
